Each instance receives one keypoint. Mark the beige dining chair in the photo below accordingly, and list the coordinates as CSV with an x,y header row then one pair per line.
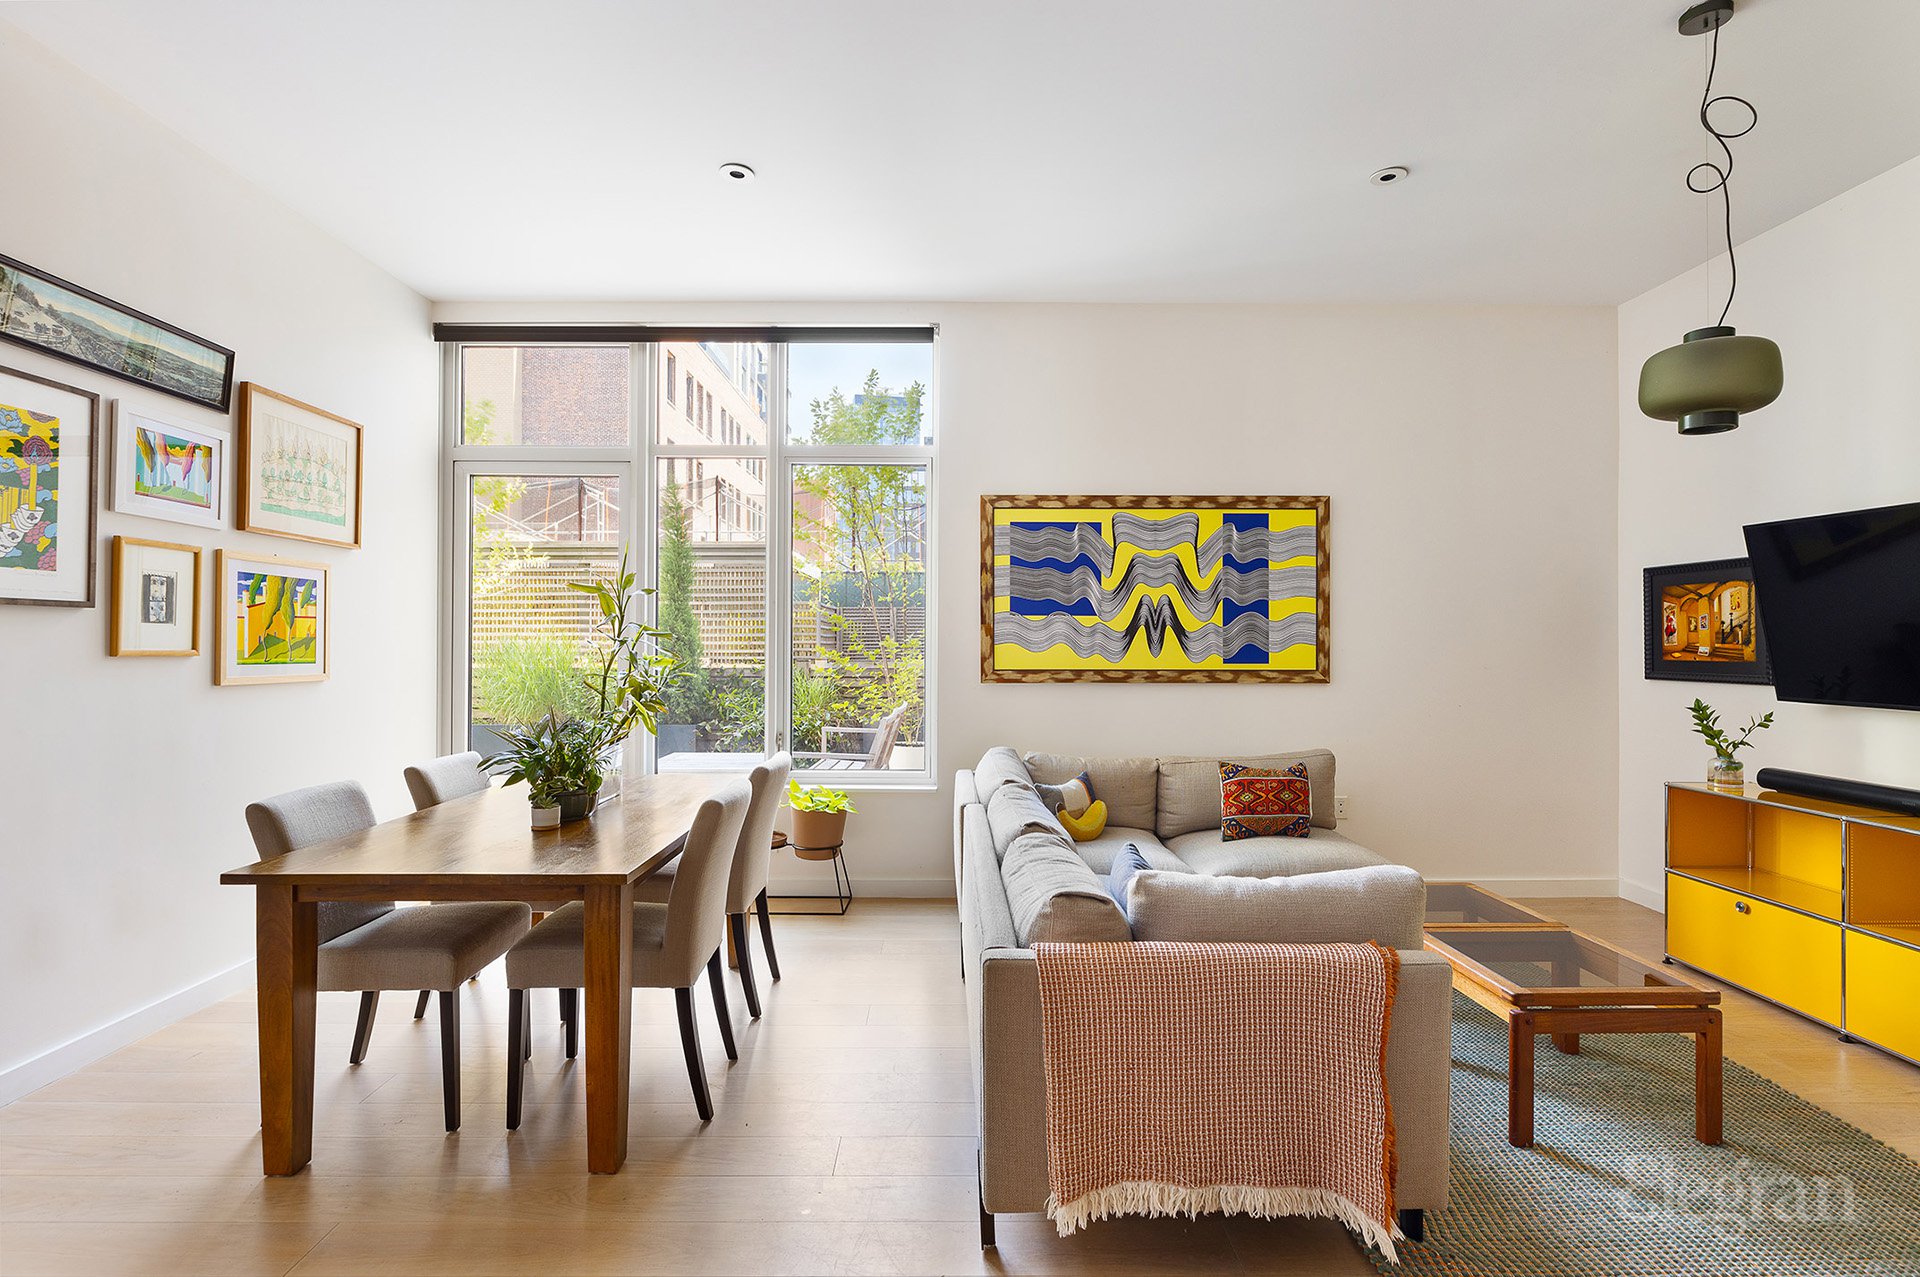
x,y
367,947
671,943
430,784
747,881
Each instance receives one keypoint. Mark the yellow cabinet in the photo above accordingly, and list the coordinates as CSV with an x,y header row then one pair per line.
x,y
1881,979
1775,952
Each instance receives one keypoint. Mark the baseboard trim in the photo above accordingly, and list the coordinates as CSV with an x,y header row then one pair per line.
x,y
873,888
1542,887
1654,898
27,1077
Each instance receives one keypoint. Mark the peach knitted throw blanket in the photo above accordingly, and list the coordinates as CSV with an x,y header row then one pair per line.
x,y
1240,1078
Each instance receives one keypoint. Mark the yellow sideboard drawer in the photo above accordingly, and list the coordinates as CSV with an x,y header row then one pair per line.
x,y
1774,952
1881,978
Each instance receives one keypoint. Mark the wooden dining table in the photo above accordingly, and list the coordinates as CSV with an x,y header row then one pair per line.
x,y
475,848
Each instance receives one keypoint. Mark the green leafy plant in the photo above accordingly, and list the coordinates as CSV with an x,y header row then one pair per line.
x,y
817,798
554,756
1707,723
519,681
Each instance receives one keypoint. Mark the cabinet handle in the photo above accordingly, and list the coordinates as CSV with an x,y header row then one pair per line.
x,y
1741,906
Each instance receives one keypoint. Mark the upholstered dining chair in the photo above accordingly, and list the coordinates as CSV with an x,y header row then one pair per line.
x,y
747,881
671,943
366,947
444,779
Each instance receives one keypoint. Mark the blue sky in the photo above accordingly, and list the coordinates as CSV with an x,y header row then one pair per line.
x,y
816,369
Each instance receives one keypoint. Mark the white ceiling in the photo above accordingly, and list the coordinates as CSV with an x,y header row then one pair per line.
x,y
1105,150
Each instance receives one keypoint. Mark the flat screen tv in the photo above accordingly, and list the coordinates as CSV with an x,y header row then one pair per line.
x,y
1839,599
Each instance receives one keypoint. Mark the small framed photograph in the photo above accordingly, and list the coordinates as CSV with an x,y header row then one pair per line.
x,y
299,470
165,470
273,616
1703,623
47,490
156,599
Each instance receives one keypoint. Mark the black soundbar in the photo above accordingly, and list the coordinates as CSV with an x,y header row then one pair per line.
x,y
1858,792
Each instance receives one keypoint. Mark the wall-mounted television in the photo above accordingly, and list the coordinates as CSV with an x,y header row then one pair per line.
x,y
1839,599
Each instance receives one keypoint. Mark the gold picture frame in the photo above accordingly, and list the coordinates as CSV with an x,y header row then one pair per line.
x,y
1041,643
155,599
300,470
277,619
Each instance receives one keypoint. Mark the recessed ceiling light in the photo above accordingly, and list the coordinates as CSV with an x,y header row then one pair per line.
x,y
1388,176
737,172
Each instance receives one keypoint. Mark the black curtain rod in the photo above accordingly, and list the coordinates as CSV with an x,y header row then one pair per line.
x,y
578,334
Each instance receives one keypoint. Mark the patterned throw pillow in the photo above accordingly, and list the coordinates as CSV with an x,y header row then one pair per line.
x,y
1076,795
1258,802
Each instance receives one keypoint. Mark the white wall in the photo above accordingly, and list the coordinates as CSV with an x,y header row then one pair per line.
x,y
1470,456
1839,288
125,780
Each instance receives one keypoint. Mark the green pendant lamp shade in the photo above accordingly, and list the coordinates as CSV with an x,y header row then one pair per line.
x,y
1709,379
1714,374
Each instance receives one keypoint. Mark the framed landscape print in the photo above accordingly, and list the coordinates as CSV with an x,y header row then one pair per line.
x,y
273,617
156,599
1703,624
69,322
165,470
299,470
1153,589
47,491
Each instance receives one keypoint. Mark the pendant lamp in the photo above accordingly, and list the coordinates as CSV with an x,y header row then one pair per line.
x,y
1714,374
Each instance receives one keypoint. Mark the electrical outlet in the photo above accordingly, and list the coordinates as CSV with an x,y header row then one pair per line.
x,y
1339,806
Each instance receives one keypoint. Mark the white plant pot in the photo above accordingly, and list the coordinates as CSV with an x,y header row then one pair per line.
x,y
545,817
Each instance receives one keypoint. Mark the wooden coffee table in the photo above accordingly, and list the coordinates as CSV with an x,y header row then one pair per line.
x,y
1542,976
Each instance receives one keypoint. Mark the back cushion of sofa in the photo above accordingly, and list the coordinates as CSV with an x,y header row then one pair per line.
x,y
1382,903
1055,897
1128,786
1013,810
1189,788
997,767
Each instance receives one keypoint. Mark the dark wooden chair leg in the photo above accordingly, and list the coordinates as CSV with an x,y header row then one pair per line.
x,y
420,1006
1414,1224
450,1055
363,1029
516,1057
690,1042
526,1029
737,928
766,937
717,978
570,1017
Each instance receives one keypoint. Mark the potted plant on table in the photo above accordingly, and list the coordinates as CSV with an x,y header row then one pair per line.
x,y
819,819
1727,771
565,760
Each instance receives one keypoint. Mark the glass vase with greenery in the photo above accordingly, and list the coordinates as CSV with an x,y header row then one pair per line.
x,y
1727,771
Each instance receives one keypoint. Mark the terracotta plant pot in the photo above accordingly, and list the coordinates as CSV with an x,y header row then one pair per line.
x,y
817,831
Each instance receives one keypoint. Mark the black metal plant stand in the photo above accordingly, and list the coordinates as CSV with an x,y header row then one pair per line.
x,y
835,905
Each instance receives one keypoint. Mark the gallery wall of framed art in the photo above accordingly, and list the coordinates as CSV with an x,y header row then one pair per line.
x,y
1142,589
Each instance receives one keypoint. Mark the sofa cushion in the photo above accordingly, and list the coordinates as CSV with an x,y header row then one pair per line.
x,y
1207,853
1128,786
1188,788
1264,802
1382,903
1099,852
1055,897
997,767
1014,809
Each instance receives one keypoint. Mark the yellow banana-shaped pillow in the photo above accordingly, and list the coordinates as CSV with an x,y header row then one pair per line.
x,y
1089,824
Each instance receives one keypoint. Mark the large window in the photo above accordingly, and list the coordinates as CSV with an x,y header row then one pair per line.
x,y
797,606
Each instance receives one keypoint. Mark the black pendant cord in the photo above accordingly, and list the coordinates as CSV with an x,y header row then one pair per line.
x,y
1724,171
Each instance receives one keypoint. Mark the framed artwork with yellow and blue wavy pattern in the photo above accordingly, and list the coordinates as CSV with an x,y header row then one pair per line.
x,y
1148,589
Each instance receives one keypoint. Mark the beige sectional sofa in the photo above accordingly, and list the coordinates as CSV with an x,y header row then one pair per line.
x,y
1021,882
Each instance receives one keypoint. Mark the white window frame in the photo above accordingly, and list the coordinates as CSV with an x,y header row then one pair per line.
x,y
637,466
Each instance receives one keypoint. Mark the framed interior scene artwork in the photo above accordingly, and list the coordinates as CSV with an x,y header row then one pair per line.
x,y
156,599
273,616
166,470
1153,589
1703,625
300,470
69,322
47,490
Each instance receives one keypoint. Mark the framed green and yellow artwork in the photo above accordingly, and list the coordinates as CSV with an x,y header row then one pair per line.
x,y
1147,589
273,616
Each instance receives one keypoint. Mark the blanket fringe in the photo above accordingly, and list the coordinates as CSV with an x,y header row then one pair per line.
x,y
1145,1197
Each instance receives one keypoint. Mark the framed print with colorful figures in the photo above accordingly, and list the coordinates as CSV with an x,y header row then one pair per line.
x,y
272,619
1140,589
47,490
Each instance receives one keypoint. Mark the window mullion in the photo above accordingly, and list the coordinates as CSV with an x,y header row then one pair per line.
x,y
779,561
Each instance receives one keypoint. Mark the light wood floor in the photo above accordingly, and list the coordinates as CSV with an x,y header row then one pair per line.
x,y
842,1142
